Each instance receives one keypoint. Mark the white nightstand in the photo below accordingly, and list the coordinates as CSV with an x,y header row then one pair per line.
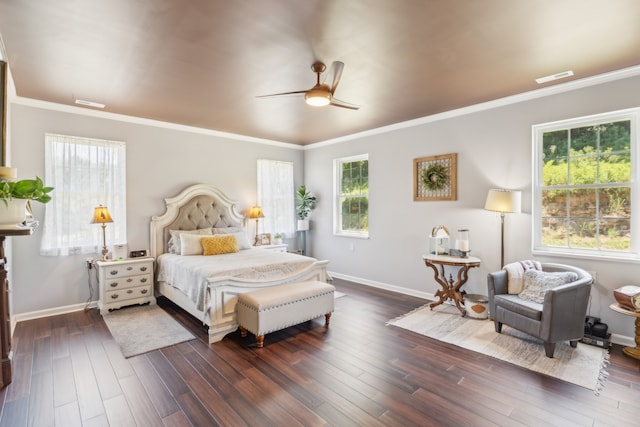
x,y
275,248
125,282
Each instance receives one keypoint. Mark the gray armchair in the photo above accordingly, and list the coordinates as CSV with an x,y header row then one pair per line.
x,y
560,317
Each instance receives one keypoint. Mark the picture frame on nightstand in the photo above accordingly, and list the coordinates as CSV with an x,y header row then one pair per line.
x,y
265,239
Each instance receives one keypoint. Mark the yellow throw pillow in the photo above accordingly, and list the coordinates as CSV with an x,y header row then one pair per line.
x,y
220,244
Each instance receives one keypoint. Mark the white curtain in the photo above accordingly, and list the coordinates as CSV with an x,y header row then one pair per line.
x,y
85,173
276,197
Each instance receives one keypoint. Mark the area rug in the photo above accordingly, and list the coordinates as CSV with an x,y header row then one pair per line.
x,y
143,328
583,365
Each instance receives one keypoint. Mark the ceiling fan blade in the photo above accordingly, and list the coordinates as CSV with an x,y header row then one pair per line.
x,y
337,103
297,92
335,73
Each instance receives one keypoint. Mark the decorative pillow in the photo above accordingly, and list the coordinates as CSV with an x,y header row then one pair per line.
x,y
515,274
239,232
174,241
537,283
190,244
220,244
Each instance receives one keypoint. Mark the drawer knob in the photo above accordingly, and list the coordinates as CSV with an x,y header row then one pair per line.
x,y
143,268
129,280
113,272
114,296
143,280
129,268
144,291
114,284
129,291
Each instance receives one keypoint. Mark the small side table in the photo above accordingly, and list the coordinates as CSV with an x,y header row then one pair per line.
x,y
450,288
630,351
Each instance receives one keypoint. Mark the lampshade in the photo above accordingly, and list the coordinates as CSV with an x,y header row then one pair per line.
x,y
256,212
506,201
318,96
101,215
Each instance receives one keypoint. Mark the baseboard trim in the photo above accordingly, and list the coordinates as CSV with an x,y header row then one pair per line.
x,y
615,338
49,312
385,286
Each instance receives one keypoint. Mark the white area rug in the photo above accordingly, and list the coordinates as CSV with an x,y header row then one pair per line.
x,y
142,328
582,365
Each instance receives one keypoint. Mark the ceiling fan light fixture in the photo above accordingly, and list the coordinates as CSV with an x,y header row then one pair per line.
x,y
317,97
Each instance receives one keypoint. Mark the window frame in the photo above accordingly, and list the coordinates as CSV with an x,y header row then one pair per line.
x,y
67,228
337,211
633,254
269,223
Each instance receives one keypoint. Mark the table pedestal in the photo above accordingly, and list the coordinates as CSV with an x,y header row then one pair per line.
x,y
450,288
630,351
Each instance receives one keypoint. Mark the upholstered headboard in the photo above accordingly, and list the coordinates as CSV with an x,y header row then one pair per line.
x,y
197,206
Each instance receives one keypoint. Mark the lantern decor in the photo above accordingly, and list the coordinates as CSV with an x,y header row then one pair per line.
x,y
463,243
439,241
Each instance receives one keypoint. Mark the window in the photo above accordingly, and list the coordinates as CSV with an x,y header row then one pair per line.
x,y
275,196
85,173
585,186
351,207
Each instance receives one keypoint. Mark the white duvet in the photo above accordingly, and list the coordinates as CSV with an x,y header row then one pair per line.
x,y
192,275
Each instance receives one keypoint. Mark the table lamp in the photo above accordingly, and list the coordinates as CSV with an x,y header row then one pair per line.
x,y
503,201
101,216
256,213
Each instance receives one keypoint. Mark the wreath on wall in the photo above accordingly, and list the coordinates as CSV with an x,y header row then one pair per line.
x,y
435,177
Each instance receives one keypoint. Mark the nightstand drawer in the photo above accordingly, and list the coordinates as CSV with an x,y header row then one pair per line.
x,y
126,294
127,282
124,270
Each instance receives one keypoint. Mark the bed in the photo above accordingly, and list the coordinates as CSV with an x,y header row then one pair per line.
x,y
207,287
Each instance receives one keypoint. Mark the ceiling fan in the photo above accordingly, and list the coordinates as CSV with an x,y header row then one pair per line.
x,y
322,93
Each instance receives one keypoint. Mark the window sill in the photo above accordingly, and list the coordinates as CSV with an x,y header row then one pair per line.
x,y
624,258
354,235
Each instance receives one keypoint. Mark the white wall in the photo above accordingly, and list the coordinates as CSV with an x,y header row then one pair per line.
x,y
494,151
160,163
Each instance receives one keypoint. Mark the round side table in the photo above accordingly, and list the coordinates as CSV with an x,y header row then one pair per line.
x,y
630,351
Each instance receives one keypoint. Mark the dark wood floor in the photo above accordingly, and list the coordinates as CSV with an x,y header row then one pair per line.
x,y
68,371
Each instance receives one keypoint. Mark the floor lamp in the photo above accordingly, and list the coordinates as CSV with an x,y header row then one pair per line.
x,y
503,201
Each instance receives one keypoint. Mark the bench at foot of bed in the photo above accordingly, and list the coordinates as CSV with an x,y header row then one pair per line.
x,y
272,309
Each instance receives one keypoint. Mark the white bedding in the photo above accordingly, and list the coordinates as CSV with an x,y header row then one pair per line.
x,y
192,275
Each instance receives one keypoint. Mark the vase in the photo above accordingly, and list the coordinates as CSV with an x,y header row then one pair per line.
x,y
303,224
13,212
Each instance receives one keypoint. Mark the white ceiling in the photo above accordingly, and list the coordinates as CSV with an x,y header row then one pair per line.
x,y
204,62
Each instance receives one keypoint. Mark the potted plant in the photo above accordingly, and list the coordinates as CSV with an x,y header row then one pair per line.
x,y
277,239
16,194
305,204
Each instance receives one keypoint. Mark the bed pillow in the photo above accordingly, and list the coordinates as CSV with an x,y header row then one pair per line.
x,y
175,246
537,283
190,244
220,244
241,236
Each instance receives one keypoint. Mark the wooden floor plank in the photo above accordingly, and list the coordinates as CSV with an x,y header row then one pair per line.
x,y
89,399
68,415
64,384
158,392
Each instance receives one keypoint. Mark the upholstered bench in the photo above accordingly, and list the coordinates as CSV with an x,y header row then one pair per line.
x,y
271,309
